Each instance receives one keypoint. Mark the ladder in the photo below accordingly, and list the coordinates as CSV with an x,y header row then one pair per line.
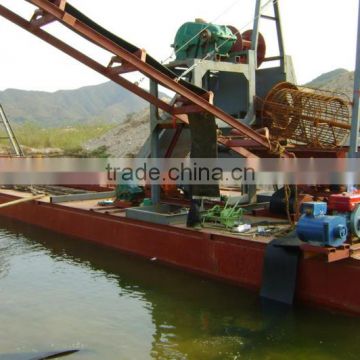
x,y
10,136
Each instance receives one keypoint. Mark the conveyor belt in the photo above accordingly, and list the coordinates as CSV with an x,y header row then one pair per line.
x,y
131,48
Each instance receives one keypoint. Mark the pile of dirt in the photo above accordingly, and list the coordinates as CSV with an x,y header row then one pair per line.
x,y
126,139
339,81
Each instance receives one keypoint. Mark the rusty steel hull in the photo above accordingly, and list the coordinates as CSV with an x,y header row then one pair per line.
x,y
225,258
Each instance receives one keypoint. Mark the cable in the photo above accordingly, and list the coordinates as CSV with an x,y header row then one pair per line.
x,y
210,54
252,21
201,31
174,52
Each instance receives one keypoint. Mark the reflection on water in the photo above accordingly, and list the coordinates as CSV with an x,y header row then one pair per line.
x,y
60,293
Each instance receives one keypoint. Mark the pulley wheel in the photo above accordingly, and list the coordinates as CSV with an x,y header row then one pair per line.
x,y
261,49
355,221
238,46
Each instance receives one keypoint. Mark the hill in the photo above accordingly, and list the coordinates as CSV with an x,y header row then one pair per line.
x,y
104,103
127,138
339,80
124,117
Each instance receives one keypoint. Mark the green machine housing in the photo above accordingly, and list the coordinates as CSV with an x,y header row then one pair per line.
x,y
197,39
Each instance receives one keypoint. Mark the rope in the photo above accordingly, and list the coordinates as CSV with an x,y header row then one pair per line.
x,y
287,202
280,150
288,191
276,148
296,202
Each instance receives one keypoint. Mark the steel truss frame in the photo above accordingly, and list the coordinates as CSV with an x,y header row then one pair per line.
x,y
123,62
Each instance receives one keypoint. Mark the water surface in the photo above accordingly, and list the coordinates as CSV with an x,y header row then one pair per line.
x,y
59,293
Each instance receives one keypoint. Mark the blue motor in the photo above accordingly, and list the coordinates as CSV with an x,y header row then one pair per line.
x,y
317,228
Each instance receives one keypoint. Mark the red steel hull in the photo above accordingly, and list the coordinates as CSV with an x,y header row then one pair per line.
x,y
238,261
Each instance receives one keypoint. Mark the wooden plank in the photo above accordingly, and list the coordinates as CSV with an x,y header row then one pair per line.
x,y
21,201
81,197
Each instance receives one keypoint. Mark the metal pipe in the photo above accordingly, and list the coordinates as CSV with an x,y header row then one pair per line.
x,y
255,33
11,136
154,140
279,32
21,201
318,122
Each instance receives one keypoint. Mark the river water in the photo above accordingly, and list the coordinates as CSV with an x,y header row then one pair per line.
x,y
60,293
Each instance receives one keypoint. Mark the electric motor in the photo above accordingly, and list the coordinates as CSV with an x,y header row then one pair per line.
x,y
317,228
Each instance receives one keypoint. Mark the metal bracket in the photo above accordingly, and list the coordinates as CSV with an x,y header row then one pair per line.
x,y
125,67
40,18
187,109
330,254
59,3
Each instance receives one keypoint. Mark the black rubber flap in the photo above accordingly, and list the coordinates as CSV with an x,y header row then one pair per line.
x,y
194,216
280,269
204,146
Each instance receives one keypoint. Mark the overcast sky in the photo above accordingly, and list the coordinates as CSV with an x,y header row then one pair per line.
x,y
319,34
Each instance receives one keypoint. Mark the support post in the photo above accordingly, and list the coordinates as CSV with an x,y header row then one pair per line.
x,y
279,33
355,122
255,33
10,133
154,139
252,59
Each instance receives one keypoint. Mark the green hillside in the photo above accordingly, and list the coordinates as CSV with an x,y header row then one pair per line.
x,y
104,103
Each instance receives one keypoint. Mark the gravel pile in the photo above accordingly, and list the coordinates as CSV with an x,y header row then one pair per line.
x,y
126,139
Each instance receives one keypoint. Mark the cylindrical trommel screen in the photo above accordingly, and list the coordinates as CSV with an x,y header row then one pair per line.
x,y
306,116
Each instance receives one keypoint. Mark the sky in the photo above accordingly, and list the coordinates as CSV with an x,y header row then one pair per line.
x,y
320,35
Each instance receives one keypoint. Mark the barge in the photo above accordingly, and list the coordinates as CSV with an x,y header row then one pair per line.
x,y
208,252
214,84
